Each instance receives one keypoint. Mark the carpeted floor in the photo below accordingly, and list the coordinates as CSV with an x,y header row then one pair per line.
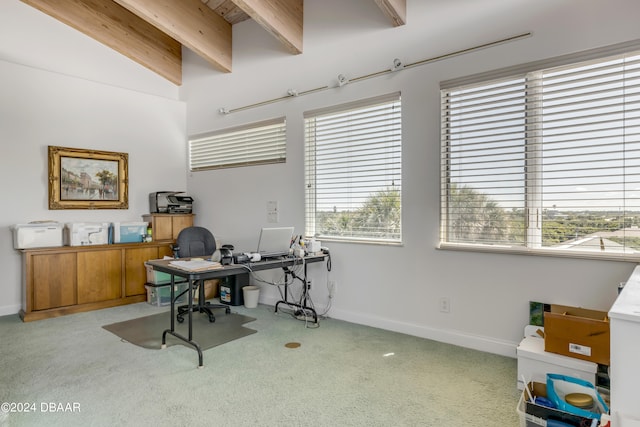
x,y
69,371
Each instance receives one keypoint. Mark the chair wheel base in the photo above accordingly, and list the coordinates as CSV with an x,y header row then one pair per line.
x,y
205,309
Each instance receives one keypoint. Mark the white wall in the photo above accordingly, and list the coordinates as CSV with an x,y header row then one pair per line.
x,y
398,287
109,103
62,88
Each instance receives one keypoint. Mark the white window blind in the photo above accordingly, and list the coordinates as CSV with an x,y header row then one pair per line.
x,y
258,143
546,160
353,171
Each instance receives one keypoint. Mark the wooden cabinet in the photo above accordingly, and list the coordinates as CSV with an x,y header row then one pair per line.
x,y
54,284
167,226
136,277
71,279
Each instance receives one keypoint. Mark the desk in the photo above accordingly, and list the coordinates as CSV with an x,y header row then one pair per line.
x,y
224,271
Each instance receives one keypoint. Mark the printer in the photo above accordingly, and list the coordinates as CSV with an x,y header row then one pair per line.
x,y
170,202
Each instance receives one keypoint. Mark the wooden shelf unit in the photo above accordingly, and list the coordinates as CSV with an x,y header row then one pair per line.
x,y
167,226
72,279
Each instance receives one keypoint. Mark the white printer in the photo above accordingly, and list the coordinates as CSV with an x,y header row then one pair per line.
x,y
37,235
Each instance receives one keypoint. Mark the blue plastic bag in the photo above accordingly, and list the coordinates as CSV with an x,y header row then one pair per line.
x,y
558,386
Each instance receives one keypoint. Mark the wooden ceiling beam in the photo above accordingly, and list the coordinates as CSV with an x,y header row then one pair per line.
x,y
229,11
114,26
190,22
394,9
282,18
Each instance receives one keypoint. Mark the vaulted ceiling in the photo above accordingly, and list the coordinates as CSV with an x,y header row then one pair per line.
x,y
152,32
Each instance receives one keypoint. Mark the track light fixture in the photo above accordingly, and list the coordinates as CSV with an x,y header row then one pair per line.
x,y
396,65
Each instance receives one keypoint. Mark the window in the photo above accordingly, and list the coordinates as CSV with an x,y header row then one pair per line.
x,y
258,143
545,160
353,171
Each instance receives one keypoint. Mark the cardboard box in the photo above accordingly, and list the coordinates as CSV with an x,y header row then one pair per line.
x,y
210,290
577,332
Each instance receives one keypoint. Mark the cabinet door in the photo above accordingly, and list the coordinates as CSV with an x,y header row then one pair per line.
x,y
180,222
99,275
54,280
162,227
165,250
135,271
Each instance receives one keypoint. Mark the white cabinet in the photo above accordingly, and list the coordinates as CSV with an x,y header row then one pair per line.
x,y
625,354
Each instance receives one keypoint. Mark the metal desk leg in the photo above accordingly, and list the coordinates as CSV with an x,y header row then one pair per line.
x,y
172,330
303,307
286,287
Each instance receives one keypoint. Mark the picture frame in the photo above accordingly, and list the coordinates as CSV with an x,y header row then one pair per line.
x,y
88,179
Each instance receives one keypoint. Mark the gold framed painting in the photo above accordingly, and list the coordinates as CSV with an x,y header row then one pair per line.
x,y
87,179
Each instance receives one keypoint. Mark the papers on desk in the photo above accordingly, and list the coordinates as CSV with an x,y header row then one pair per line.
x,y
195,265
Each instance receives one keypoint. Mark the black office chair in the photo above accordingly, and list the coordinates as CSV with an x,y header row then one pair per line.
x,y
196,242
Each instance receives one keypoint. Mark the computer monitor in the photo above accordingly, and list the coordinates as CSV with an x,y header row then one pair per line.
x,y
274,241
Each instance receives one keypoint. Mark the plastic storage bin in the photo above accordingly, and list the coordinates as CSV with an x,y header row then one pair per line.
x,y
157,277
534,415
129,232
161,296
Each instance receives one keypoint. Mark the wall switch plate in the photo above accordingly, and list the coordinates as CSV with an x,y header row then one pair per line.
x,y
273,214
272,217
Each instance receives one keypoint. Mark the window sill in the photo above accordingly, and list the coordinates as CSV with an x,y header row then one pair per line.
x,y
510,250
363,241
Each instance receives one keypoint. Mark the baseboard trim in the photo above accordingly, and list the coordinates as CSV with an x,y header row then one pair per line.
x,y
462,339
7,310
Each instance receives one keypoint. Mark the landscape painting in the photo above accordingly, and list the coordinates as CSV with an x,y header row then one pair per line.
x,y
87,179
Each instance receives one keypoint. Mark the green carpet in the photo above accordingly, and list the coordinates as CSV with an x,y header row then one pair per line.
x,y
147,331
342,374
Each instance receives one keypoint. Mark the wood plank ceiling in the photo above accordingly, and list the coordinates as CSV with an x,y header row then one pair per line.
x,y
152,32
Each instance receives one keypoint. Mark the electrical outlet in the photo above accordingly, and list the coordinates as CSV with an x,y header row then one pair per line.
x,y
333,286
308,283
445,305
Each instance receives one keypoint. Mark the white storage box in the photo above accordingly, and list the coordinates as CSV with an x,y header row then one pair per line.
x,y
37,235
86,233
129,232
534,363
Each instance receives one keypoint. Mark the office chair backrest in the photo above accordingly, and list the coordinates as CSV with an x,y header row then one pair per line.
x,y
195,242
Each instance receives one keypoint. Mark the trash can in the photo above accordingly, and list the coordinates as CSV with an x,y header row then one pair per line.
x,y
251,296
